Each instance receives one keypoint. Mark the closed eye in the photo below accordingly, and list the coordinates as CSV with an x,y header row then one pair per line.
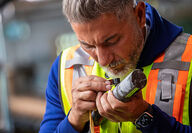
x,y
86,45
112,41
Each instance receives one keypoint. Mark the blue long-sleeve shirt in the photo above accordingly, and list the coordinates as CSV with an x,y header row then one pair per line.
x,y
54,119
162,33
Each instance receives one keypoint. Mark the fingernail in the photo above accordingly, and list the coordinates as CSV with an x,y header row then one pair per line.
x,y
108,87
108,82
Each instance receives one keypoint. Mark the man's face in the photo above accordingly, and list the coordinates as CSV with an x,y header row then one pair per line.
x,y
115,44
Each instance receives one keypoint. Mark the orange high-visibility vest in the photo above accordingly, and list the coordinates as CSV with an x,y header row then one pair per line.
x,y
168,84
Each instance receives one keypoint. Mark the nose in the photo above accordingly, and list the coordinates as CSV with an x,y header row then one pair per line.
x,y
104,56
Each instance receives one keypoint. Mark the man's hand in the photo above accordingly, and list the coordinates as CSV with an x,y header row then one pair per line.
x,y
117,111
84,92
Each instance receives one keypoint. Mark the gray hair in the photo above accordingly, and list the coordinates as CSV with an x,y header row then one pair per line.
x,y
85,10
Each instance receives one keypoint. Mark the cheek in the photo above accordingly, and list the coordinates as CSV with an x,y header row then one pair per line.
x,y
123,49
131,45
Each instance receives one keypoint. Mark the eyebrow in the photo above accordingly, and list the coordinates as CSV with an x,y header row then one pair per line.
x,y
106,40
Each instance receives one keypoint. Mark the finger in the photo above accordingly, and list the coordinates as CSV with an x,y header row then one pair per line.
x,y
92,78
107,107
87,95
89,78
120,106
101,110
94,86
111,98
85,106
98,102
115,103
105,104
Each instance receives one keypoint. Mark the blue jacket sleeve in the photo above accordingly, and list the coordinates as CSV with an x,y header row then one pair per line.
x,y
54,119
163,123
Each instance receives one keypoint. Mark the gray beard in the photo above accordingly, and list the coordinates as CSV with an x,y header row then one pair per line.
x,y
121,74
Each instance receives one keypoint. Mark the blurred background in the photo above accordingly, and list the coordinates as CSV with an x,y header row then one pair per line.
x,y
32,34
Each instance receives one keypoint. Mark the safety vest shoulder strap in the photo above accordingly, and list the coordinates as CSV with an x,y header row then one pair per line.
x,y
168,77
74,63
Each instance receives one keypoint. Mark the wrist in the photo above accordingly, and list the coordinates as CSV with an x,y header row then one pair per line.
x,y
75,121
141,110
145,119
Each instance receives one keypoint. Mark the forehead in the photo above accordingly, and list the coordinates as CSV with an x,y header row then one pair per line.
x,y
99,28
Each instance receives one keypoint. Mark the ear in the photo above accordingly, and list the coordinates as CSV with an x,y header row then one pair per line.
x,y
140,14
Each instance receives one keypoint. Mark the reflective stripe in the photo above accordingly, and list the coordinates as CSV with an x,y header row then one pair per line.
x,y
176,49
79,61
81,53
78,71
182,38
80,58
178,65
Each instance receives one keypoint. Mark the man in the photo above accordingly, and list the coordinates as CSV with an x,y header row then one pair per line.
x,y
116,37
